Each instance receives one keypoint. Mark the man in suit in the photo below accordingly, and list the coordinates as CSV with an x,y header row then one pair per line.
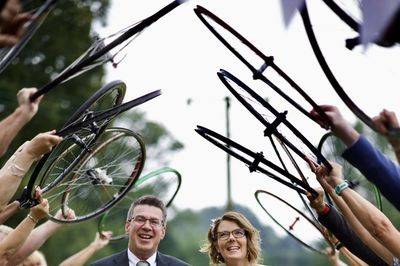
x,y
145,226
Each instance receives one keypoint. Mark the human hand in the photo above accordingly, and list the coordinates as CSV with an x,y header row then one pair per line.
x,y
70,215
12,23
333,256
41,144
384,122
101,240
41,210
318,203
28,108
328,180
339,126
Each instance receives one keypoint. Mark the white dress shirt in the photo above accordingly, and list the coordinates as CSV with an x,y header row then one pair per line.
x,y
133,259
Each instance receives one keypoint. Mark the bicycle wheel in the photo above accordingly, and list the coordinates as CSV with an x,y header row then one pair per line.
x,y
108,96
79,138
106,49
100,179
263,111
293,222
290,164
255,161
338,64
103,118
257,62
163,183
332,148
7,54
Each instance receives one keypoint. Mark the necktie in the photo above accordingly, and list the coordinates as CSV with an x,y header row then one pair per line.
x,y
142,263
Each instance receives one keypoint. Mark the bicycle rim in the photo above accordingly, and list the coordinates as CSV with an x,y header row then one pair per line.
x,y
100,179
108,96
293,221
258,63
332,148
264,112
255,161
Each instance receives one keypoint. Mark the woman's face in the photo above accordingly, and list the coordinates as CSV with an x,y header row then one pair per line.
x,y
231,242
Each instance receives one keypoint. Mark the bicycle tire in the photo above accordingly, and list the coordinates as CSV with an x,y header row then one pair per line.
x,y
115,89
102,50
107,115
299,172
331,77
100,180
202,12
118,213
224,76
317,227
330,144
74,128
233,148
343,15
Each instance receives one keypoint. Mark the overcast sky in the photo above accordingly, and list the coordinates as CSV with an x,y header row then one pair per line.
x,y
180,56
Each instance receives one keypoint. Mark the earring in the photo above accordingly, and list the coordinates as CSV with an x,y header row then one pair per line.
x,y
219,257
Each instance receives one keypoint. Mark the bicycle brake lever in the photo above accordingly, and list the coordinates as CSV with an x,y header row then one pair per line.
x,y
26,202
78,141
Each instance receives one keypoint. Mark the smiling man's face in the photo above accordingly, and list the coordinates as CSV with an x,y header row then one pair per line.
x,y
145,237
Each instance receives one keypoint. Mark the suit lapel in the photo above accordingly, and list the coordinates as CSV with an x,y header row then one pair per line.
x,y
121,259
160,259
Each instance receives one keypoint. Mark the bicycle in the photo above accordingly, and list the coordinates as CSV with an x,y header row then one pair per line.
x,y
82,162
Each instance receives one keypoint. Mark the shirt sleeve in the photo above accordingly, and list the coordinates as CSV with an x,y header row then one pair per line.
x,y
339,227
377,168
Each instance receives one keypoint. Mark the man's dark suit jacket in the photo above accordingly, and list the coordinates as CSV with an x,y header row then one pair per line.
x,y
121,259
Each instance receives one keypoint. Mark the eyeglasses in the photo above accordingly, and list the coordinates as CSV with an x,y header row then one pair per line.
x,y
141,220
237,233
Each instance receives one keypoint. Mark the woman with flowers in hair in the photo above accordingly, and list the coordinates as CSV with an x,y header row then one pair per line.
x,y
233,240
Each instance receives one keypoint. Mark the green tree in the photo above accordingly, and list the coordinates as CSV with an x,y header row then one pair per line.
x,y
61,39
65,35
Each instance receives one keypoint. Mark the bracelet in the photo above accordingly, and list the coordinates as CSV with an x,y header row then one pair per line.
x,y
338,245
342,186
325,210
33,219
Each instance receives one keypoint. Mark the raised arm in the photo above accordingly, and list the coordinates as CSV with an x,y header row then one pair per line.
x,y
339,126
38,237
338,226
13,241
377,224
385,121
9,211
351,258
11,125
376,167
84,255
18,165
369,244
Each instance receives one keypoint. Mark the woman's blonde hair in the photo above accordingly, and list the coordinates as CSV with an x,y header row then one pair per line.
x,y
252,235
